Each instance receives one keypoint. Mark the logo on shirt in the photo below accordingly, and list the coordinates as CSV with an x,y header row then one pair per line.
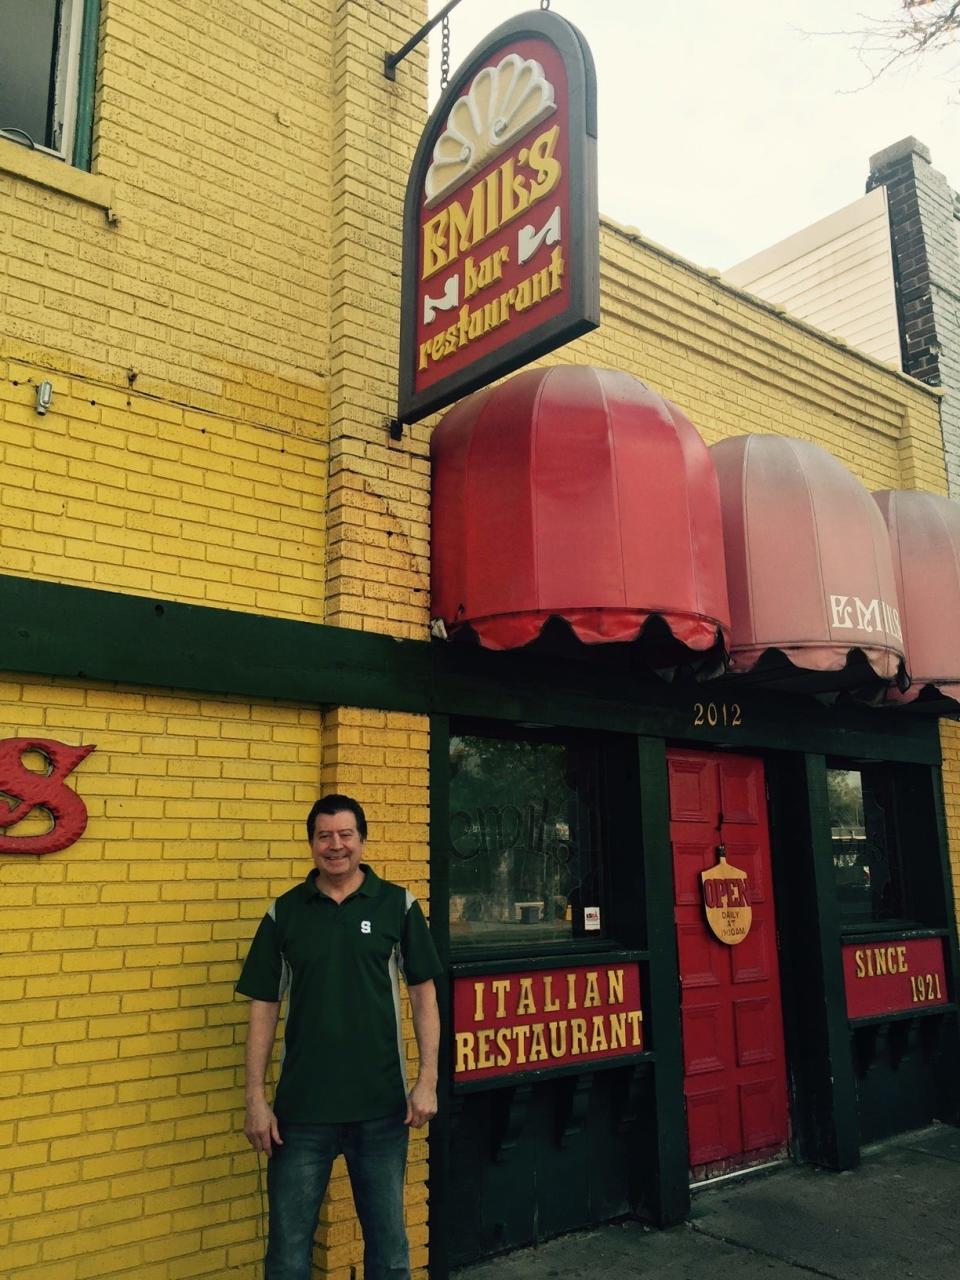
x,y
364,926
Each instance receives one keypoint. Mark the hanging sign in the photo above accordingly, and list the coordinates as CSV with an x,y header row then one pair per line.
x,y
726,900
501,233
506,1023
893,977
31,789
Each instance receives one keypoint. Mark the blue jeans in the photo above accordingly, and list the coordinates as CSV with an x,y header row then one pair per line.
x,y
297,1177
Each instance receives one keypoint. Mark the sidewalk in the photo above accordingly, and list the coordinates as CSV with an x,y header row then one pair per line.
x,y
898,1215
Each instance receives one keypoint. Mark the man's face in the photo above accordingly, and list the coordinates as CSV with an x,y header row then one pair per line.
x,y
336,845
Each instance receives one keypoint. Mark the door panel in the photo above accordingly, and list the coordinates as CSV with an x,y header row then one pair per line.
x,y
751,960
712,1126
754,1030
703,1049
741,791
734,1061
699,961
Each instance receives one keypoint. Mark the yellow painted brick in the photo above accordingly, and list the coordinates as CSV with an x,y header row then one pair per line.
x,y
43,1226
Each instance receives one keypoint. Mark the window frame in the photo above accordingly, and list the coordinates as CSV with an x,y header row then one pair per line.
x,y
482,949
74,83
899,863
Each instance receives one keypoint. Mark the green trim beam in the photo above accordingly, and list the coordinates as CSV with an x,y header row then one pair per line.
x,y
48,629
55,630
439,1137
826,1127
669,1174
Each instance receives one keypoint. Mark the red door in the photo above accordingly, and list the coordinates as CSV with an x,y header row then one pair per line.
x,y
734,1062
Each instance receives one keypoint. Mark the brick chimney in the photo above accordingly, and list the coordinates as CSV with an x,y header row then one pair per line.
x,y
924,226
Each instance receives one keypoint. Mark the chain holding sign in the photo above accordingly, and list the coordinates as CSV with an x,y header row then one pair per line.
x,y
501,231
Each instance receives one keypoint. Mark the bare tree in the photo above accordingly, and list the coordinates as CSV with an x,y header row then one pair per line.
x,y
917,28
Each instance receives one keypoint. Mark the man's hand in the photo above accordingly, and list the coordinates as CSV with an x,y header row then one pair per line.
x,y
422,1102
421,1105
261,1126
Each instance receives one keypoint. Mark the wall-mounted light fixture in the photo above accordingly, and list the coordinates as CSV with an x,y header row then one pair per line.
x,y
44,396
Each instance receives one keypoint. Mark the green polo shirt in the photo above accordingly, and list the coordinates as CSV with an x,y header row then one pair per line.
x,y
339,964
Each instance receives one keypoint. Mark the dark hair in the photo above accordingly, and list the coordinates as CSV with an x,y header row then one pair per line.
x,y
337,804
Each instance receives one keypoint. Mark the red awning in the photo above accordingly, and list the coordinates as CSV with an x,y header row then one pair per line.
x,y
809,567
579,494
925,538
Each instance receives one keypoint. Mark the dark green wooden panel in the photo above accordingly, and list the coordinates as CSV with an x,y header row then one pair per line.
x,y
667,1172
947,1072
897,1064
605,688
50,629
441,1130
824,1102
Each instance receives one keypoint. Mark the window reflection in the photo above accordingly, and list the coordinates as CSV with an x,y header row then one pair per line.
x,y
863,833
521,839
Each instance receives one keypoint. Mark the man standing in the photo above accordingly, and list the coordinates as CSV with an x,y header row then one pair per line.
x,y
337,943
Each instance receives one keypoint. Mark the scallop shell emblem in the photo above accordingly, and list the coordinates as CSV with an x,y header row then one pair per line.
x,y
503,103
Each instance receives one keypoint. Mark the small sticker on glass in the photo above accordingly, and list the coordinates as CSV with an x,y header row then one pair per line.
x,y
591,919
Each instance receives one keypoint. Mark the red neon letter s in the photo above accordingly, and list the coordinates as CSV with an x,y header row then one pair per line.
x,y
30,790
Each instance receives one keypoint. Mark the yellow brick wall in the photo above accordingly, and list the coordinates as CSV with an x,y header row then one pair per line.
x,y
240,298
119,491
121,1067
379,517
121,1040
382,758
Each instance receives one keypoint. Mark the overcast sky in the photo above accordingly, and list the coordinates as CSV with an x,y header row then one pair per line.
x,y
725,126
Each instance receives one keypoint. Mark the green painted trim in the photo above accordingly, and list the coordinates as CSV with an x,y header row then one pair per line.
x,y
50,629
439,1137
948,1078
671,1171
439,831
820,1068
605,690
841,1148
848,937
585,1067
489,957
468,968
905,1015
78,633
86,84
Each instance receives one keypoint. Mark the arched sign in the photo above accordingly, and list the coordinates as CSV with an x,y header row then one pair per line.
x,y
726,901
501,233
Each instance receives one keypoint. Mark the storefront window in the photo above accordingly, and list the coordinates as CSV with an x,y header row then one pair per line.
x,y
864,835
522,842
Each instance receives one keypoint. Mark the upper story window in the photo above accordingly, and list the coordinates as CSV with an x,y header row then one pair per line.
x,y
46,75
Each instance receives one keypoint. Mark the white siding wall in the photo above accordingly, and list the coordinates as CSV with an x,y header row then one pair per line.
x,y
836,274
